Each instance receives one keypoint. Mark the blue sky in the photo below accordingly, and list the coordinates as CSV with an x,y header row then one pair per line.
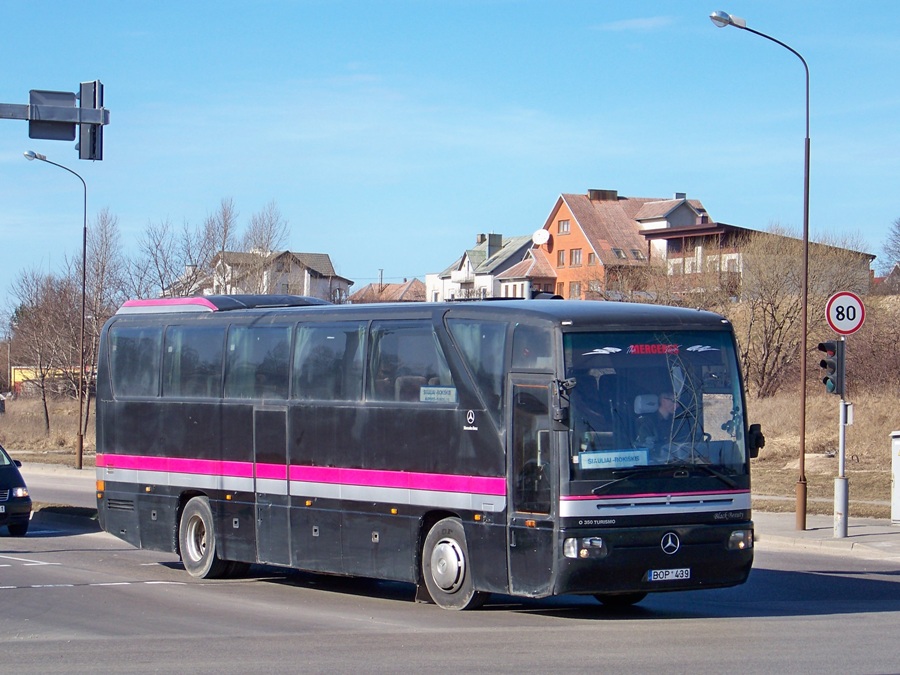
x,y
390,133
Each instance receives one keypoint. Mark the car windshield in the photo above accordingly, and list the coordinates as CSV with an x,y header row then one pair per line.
x,y
646,400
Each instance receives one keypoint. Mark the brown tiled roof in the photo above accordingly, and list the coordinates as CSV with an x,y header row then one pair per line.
x,y
409,291
535,266
610,224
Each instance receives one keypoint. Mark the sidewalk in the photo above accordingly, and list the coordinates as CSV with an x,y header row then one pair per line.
x,y
866,537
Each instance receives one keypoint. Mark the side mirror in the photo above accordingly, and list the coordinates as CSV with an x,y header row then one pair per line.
x,y
755,440
17,462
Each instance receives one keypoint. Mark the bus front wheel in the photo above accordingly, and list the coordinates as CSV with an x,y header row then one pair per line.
x,y
445,567
197,541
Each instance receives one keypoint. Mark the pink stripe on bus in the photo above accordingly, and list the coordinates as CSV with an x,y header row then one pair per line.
x,y
400,479
271,471
486,485
177,465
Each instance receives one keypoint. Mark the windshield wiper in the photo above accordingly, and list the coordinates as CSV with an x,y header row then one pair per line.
x,y
709,470
662,468
629,474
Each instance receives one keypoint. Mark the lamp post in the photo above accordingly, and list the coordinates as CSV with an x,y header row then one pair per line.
x,y
31,155
723,19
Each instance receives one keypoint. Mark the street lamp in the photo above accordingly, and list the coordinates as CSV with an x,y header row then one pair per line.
x,y
723,19
32,155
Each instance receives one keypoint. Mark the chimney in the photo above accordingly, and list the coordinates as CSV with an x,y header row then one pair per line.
x,y
681,195
479,238
603,195
494,244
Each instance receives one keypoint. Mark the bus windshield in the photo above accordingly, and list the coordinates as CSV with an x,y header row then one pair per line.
x,y
647,400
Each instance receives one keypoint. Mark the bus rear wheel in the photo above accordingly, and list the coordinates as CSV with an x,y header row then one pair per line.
x,y
620,599
445,567
197,541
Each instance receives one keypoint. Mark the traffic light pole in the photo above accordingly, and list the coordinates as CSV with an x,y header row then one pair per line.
x,y
841,486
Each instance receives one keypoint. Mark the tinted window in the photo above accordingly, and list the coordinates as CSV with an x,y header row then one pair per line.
x,y
192,361
134,360
483,346
257,362
407,364
328,361
532,348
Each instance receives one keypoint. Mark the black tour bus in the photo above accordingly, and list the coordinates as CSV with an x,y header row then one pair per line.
x,y
467,448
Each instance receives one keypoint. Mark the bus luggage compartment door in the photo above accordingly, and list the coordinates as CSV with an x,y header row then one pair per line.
x,y
533,477
273,544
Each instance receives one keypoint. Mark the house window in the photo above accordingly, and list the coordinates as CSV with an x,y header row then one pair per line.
x,y
620,253
561,258
560,288
562,227
575,257
637,254
592,258
575,290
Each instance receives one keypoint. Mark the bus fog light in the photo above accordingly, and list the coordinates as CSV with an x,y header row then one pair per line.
x,y
740,540
588,547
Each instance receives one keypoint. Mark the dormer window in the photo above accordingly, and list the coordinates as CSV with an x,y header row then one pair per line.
x,y
620,254
638,255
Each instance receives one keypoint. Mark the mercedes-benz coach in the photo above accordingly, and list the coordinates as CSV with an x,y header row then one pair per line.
x,y
524,447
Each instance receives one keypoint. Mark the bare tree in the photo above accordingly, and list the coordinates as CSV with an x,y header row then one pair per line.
x,y
768,320
44,305
220,234
169,262
266,233
891,248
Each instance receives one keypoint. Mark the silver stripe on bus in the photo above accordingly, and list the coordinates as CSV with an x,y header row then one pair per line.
x,y
663,504
368,493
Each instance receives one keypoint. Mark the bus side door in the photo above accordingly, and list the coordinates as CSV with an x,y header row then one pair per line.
x,y
273,542
532,487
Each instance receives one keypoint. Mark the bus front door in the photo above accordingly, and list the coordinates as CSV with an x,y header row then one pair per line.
x,y
273,543
532,477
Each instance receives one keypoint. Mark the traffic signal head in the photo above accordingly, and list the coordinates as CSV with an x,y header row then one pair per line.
x,y
833,365
90,136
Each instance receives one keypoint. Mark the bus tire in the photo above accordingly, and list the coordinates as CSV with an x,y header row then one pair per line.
x,y
620,599
446,569
197,541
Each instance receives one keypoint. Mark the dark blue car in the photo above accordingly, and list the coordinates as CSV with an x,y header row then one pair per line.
x,y
15,504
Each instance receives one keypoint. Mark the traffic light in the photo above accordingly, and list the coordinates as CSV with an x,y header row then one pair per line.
x,y
833,364
90,136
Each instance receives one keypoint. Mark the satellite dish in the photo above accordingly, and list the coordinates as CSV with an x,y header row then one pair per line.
x,y
540,237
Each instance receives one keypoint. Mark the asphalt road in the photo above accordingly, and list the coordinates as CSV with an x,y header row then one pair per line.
x,y
78,600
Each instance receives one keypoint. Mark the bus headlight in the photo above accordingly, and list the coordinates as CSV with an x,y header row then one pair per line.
x,y
586,547
740,540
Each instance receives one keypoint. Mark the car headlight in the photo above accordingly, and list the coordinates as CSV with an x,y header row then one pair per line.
x,y
19,492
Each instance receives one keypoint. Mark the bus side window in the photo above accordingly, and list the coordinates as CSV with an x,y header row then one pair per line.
x,y
532,348
192,361
405,358
483,347
134,360
328,362
258,362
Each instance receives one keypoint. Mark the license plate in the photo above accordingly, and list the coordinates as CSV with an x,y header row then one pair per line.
x,y
669,575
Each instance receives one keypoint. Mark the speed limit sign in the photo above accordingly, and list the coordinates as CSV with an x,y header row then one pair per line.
x,y
845,312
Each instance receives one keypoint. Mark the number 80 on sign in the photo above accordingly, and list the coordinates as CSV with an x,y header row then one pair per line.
x,y
845,312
